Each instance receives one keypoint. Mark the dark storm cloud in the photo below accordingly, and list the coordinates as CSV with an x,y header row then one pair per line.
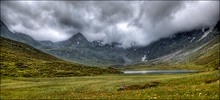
x,y
112,12
127,22
157,10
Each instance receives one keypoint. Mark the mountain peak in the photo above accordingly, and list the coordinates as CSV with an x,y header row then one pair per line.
x,y
77,38
79,34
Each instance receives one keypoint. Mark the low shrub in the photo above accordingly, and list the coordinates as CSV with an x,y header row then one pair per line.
x,y
139,86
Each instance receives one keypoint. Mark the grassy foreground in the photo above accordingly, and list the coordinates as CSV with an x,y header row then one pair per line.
x,y
204,85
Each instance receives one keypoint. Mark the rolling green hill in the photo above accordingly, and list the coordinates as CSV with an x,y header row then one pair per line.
x,y
19,59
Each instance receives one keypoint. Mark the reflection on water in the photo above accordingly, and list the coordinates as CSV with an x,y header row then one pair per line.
x,y
160,72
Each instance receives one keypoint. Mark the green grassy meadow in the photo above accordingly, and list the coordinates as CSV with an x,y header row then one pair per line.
x,y
204,85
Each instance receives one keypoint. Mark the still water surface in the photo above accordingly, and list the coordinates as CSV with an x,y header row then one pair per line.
x,y
160,72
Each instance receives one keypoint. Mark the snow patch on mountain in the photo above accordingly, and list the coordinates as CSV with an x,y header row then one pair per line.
x,y
206,33
143,58
192,39
203,29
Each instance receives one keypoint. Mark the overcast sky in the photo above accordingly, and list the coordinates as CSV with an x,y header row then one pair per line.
x,y
127,22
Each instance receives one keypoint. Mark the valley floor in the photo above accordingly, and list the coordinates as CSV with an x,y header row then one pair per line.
x,y
204,85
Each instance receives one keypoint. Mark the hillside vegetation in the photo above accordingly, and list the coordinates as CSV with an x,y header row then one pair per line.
x,y
208,56
19,59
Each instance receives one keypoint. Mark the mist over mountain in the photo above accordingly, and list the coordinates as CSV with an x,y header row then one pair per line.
x,y
126,23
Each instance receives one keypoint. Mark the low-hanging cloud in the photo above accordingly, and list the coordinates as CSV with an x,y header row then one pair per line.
x,y
131,23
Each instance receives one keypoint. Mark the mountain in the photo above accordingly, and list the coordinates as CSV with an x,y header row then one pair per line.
x,y
79,49
174,43
203,57
74,40
19,59
5,32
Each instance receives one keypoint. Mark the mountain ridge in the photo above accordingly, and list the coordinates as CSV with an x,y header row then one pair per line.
x,y
79,49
